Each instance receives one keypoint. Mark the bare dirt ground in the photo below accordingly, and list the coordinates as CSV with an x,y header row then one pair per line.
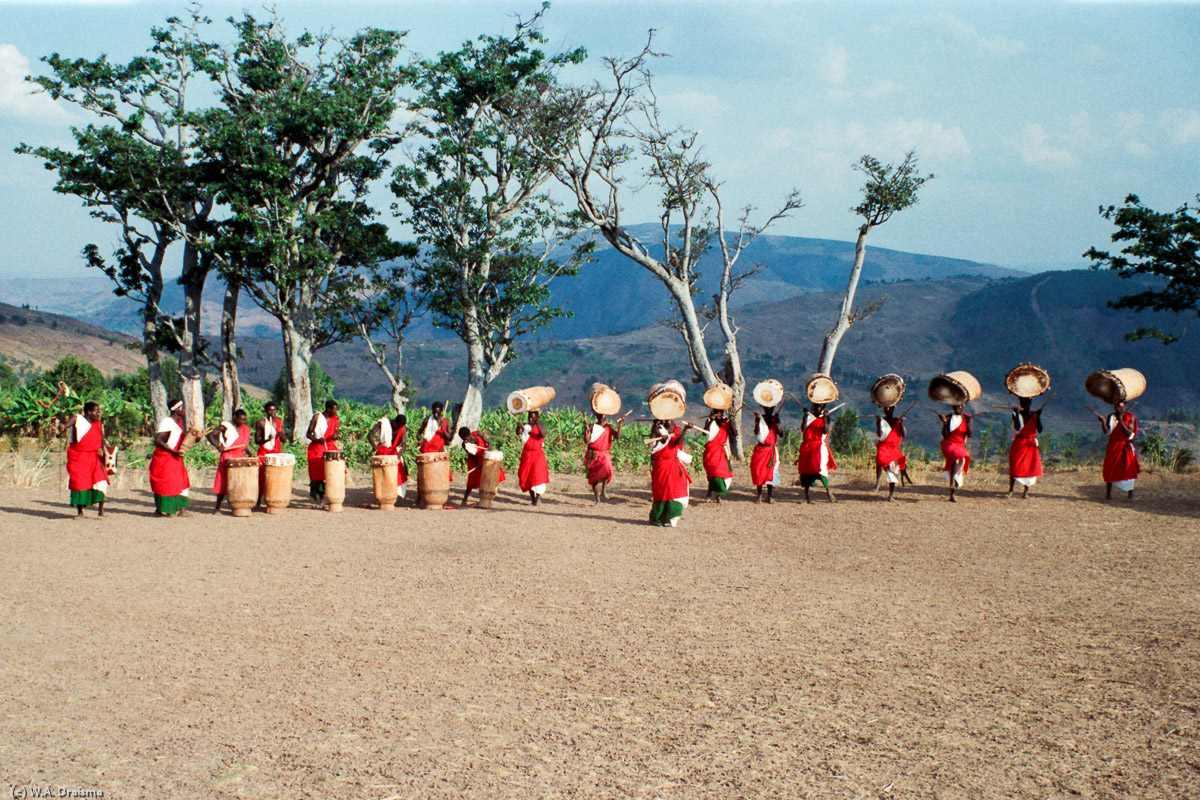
x,y
990,649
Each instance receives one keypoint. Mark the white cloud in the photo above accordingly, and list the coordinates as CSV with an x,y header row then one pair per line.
x,y
778,139
966,32
1130,128
1038,148
845,142
1182,124
834,64
18,97
932,139
691,103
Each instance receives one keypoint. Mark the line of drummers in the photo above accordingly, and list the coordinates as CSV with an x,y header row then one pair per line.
x,y
265,479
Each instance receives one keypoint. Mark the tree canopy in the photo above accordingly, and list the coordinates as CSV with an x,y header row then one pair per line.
x,y
1158,244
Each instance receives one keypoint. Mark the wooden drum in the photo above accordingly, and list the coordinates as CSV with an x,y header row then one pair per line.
x,y
887,391
667,400
768,393
384,472
531,399
1027,380
489,480
278,469
604,399
433,480
335,480
954,388
820,388
189,438
241,484
719,397
1115,386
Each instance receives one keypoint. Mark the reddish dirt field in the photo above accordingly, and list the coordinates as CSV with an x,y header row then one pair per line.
x,y
990,649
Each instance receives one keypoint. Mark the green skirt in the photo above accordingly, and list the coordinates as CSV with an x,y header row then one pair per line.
x,y
170,505
718,486
87,497
662,512
316,490
809,479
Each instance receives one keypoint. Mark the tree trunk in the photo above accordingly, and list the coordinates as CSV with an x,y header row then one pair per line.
x,y
191,371
477,381
231,387
830,345
159,399
297,355
737,382
693,335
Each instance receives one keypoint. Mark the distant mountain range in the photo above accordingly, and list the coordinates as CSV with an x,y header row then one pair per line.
x,y
986,326
609,296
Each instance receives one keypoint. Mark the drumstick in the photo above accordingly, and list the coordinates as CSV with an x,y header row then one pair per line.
x,y
1010,408
1048,399
910,408
1094,411
835,408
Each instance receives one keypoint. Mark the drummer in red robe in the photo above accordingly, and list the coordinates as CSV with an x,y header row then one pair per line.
x,y
815,459
764,461
533,472
388,437
476,446
889,460
1121,466
87,477
168,476
1024,458
716,454
435,433
268,437
230,439
669,478
599,436
956,429
322,436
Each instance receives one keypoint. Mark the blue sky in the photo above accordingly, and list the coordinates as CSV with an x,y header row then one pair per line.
x,y
1031,115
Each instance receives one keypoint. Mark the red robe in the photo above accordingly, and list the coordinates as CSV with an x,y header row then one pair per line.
x,y
1024,458
1120,458
238,450
393,449
533,470
669,479
439,441
475,460
716,463
316,450
954,447
887,450
764,459
598,459
269,447
815,457
168,475
85,461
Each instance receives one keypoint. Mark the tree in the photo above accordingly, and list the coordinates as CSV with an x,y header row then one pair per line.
x,y
889,188
624,132
300,134
1164,245
138,171
322,384
83,379
492,119
390,304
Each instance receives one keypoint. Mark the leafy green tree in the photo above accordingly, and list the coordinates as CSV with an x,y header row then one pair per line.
x,y
83,379
491,119
300,134
845,434
1164,245
8,378
137,170
138,385
889,188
